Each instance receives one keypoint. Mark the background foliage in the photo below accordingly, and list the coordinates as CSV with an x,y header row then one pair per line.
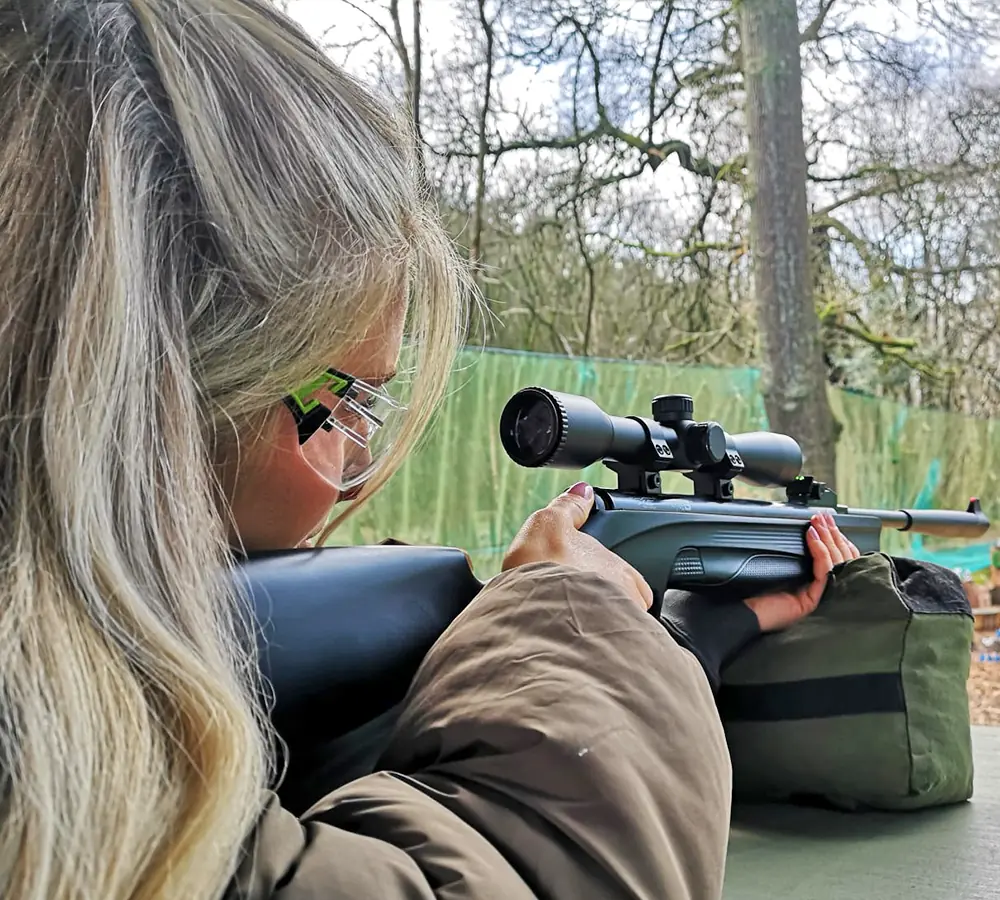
x,y
460,489
591,155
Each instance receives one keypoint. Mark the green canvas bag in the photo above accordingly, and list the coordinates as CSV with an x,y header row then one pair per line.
x,y
863,704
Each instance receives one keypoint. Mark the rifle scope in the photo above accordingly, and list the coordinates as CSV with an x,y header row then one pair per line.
x,y
539,427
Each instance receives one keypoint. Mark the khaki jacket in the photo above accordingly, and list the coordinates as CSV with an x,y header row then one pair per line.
x,y
556,743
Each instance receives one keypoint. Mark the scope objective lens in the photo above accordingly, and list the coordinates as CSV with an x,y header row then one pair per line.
x,y
530,428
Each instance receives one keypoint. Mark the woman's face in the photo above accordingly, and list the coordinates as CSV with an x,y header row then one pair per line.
x,y
277,490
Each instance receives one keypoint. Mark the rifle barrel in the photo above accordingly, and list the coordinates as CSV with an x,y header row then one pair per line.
x,y
947,523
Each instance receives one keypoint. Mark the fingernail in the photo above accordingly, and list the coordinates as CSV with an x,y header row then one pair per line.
x,y
581,489
813,533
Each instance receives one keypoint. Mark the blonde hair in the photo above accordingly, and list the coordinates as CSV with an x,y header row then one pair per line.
x,y
198,212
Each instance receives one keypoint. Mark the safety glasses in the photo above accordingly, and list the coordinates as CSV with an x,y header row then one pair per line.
x,y
368,417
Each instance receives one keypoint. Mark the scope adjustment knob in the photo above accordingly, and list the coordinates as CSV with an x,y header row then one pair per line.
x,y
705,443
669,408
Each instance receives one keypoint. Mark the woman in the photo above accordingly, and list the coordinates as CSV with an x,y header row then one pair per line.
x,y
205,225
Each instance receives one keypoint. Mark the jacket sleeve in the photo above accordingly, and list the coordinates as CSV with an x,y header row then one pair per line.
x,y
714,630
556,743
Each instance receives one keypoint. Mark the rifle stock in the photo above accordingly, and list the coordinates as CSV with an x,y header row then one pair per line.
x,y
341,631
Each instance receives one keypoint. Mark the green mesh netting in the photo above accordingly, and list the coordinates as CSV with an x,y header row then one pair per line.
x,y
460,489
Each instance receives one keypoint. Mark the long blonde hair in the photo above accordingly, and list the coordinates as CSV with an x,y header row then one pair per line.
x,y
198,212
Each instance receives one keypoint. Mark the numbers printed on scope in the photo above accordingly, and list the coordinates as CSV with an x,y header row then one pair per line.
x,y
662,449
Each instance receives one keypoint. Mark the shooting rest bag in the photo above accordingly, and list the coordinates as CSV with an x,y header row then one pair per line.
x,y
863,704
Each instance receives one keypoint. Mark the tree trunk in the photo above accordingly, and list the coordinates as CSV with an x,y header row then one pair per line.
x,y
476,248
417,73
793,369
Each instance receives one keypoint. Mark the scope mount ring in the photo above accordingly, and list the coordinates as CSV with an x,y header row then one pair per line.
x,y
644,482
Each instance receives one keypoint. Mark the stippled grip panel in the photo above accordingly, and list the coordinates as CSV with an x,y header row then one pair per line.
x,y
695,568
771,568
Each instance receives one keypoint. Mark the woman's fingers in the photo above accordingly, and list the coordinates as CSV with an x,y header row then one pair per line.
x,y
846,548
642,587
552,534
821,548
826,529
833,539
828,546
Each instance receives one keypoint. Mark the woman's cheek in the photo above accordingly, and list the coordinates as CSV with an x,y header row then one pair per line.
x,y
313,509
281,497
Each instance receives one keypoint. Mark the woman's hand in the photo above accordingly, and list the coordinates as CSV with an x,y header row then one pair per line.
x,y
828,548
553,535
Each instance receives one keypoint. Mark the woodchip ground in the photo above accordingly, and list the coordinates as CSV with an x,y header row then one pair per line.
x,y
984,692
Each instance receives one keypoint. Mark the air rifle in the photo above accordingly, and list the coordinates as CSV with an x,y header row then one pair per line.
x,y
707,541
342,630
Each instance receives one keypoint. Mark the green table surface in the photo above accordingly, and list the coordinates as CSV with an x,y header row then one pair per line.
x,y
780,851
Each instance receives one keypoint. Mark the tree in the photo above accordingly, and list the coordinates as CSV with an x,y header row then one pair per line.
x,y
792,365
592,155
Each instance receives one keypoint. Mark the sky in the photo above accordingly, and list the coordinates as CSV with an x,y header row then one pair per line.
x,y
318,15
348,18
533,91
